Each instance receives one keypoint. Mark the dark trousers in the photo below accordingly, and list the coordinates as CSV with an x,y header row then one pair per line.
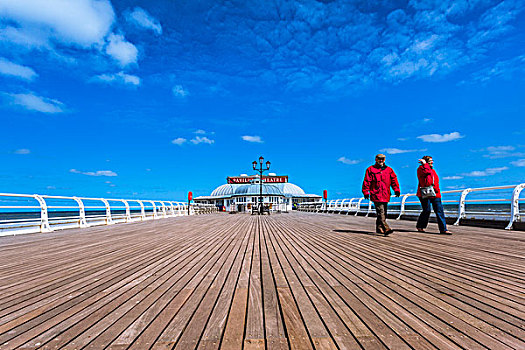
x,y
381,211
422,222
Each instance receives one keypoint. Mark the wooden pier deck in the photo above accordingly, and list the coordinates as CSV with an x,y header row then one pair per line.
x,y
295,280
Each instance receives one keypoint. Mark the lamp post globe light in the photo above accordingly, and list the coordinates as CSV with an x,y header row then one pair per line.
x,y
260,170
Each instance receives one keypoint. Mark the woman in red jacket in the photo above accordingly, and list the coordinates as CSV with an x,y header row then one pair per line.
x,y
427,176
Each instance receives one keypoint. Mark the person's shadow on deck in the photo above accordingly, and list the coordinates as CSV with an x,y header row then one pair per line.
x,y
359,232
370,232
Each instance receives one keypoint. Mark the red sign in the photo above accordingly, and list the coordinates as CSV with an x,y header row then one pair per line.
x,y
248,179
190,196
239,180
275,179
325,194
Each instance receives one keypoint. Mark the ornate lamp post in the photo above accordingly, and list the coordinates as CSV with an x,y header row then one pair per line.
x,y
260,170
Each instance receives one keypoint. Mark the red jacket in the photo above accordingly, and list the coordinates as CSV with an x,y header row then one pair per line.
x,y
427,176
377,183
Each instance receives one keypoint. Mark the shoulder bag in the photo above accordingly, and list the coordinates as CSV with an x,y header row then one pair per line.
x,y
428,192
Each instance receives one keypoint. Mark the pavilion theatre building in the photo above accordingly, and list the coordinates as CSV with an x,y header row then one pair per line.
x,y
240,193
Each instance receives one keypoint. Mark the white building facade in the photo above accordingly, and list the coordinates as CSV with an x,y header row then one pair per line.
x,y
242,193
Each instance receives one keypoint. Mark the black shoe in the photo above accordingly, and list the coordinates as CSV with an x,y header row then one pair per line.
x,y
388,232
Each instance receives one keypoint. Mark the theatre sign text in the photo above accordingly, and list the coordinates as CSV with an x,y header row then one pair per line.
x,y
249,179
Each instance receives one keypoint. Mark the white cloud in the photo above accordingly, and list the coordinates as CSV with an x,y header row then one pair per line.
x,y
256,139
83,23
24,37
36,103
455,177
94,173
179,91
486,172
179,141
519,162
345,160
22,151
119,78
399,151
203,139
55,24
495,152
12,69
441,138
141,18
204,132
497,149
121,50
508,70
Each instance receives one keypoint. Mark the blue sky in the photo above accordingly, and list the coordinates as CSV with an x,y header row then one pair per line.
x,y
152,99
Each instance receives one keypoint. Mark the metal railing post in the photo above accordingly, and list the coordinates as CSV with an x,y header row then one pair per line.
x,y
44,218
163,210
142,211
461,209
358,206
336,205
369,208
109,221
350,206
402,209
515,206
128,212
172,209
81,213
155,216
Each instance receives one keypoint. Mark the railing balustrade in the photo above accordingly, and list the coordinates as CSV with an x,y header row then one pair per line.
x,y
502,209
23,213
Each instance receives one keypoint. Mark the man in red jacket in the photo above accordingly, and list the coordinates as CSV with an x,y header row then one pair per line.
x,y
376,187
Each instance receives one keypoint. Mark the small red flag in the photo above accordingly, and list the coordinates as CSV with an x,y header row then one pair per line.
x,y
190,196
325,194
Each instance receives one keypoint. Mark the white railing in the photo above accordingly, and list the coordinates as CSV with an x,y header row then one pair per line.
x,y
484,203
23,213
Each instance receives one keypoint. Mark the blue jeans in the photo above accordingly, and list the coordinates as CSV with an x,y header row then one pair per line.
x,y
422,222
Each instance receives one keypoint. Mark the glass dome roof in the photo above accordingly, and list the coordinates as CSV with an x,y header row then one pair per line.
x,y
224,190
289,189
253,189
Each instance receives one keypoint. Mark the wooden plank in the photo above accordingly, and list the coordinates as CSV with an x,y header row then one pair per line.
x,y
275,333
58,306
319,335
200,285
193,332
216,324
295,328
481,336
233,337
254,332
172,282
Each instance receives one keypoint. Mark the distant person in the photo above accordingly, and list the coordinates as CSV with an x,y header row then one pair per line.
x,y
376,187
429,194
